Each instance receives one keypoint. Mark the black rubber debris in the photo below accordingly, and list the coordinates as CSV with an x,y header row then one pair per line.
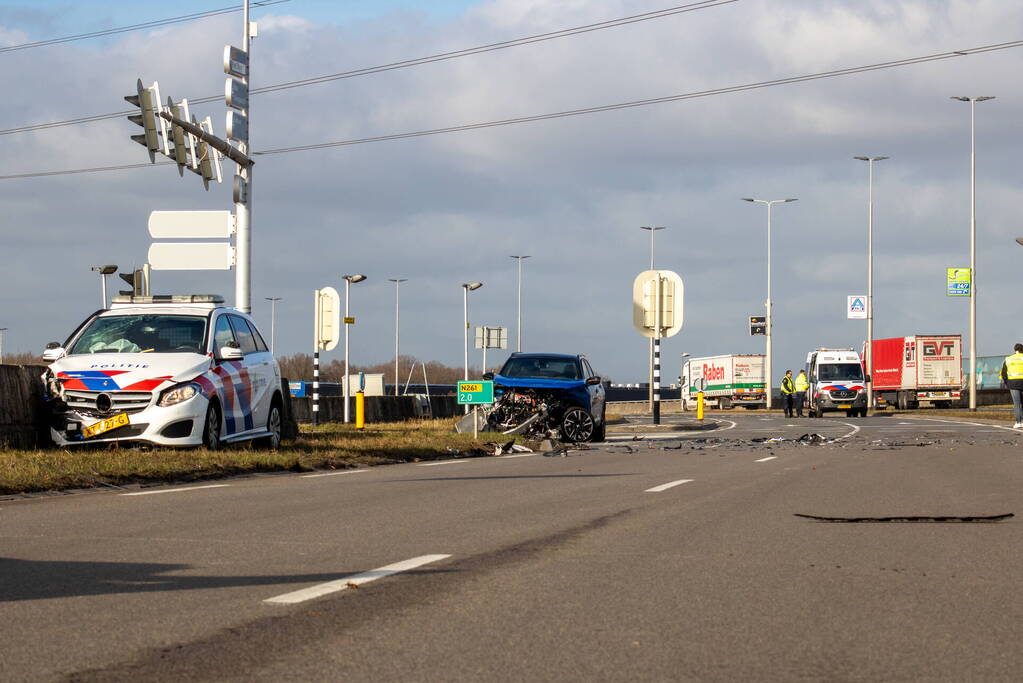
x,y
910,519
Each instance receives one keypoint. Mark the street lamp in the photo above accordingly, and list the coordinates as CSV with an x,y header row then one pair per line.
x,y
973,245
397,321
653,343
869,359
103,272
466,288
273,319
768,370
349,279
518,328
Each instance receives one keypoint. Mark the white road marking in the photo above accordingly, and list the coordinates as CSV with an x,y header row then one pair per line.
x,y
179,490
332,474
962,422
445,462
670,484
516,455
846,436
355,580
770,457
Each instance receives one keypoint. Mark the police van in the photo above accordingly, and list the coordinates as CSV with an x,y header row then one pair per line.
x,y
836,383
167,370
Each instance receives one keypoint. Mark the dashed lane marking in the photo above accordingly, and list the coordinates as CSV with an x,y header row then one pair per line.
x,y
178,490
770,457
444,462
669,485
332,474
353,581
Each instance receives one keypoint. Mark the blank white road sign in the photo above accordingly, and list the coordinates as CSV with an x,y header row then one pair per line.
x,y
191,256
191,224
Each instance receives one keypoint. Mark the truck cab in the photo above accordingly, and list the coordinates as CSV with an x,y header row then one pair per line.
x,y
836,382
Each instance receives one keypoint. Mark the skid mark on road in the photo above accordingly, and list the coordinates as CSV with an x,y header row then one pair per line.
x,y
353,581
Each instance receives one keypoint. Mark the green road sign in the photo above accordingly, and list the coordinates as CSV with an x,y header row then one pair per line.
x,y
475,393
958,281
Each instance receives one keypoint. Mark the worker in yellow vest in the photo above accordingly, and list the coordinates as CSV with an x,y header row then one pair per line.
x,y
801,385
787,389
1012,375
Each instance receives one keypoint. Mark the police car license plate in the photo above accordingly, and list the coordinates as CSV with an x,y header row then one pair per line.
x,y
845,407
106,425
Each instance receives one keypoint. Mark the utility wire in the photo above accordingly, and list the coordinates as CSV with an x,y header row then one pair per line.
x,y
563,33
591,110
138,27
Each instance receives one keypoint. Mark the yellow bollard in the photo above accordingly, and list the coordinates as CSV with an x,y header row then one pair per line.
x,y
699,405
360,410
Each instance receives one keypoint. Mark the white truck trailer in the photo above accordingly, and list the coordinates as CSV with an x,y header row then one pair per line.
x,y
733,379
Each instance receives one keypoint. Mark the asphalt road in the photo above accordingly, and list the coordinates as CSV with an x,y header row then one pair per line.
x,y
671,556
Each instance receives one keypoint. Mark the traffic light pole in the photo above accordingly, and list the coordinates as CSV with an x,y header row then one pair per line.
x,y
243,197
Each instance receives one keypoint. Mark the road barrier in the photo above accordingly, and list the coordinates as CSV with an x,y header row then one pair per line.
x,y
378,408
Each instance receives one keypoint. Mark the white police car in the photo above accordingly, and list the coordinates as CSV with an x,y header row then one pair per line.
x,y
168,370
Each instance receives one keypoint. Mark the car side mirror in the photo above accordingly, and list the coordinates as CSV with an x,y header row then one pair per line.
x,y
231,351
488,375
53,351
593,380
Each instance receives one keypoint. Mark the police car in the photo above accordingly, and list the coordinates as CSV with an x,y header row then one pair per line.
x,y
167,370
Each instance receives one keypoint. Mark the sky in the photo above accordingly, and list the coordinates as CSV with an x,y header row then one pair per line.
x,y
571,192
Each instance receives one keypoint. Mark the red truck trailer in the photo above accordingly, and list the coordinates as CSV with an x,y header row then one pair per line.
x,y
908,371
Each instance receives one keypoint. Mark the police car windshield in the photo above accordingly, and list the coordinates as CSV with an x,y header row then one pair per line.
x,y
840,372
142,334
546,368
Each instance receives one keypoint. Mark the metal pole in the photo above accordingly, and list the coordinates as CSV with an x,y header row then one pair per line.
x,y
658,304
465,338
103,279
344,383
2,330
650,393
973,256
518,329
768,367
397,331
868,354
316,358
273,320
243,208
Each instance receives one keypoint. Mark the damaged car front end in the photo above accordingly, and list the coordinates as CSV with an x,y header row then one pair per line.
x,y
548,396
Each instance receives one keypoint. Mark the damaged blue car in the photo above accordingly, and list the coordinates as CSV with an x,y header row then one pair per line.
x,y
548,395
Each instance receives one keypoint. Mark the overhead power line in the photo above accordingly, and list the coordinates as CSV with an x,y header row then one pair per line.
x,y
418,61
138,27
591,110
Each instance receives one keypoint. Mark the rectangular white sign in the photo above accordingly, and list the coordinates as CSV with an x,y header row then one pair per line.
x,y
856,307
191,256
191,224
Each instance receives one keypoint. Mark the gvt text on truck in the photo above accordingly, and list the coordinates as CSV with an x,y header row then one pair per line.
x,y
908,371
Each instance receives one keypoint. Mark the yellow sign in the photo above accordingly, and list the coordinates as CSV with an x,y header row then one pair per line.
x,y
466,386
958,281
349,320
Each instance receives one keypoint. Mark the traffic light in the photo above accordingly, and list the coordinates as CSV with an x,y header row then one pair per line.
x,y
184,144
148,102
208,158
137,280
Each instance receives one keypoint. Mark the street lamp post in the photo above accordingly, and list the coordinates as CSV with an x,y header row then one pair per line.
x,y
103,272
518,327
869,354
655,342
768,369
973,245
466,288
2,330
397,322
349,279
273,320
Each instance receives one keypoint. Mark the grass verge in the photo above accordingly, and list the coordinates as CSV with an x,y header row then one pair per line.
x,y
330,446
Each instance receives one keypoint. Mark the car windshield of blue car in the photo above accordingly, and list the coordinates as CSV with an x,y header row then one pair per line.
x,y
840,372
541,368
142,334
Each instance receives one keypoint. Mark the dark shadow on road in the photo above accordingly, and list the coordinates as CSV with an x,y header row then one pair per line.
x,y
38,580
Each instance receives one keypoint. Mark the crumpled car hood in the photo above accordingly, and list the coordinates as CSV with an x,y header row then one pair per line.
x,y
127,371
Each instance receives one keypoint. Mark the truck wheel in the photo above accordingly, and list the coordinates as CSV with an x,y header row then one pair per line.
x,y
724,403
901,400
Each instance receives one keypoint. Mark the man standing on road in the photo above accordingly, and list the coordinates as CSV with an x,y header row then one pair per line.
x,y
802,384
787,388
1012,375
